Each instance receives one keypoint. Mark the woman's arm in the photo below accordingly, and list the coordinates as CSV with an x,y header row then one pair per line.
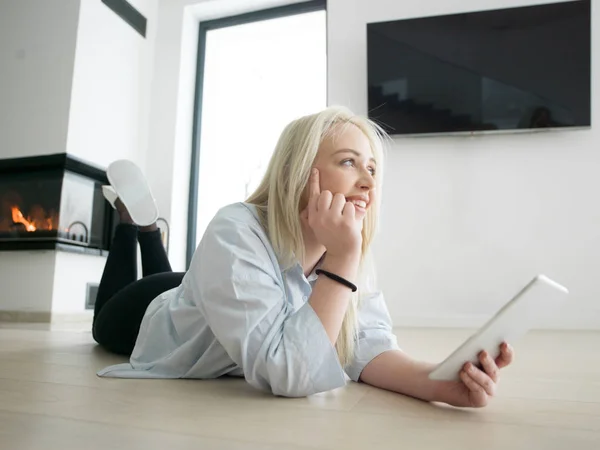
x,y
332,221
396,371
330,299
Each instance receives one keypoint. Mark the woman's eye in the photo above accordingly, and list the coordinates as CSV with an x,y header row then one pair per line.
x,y
350,162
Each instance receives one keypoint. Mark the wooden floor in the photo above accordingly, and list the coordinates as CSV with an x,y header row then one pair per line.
x,y
50,398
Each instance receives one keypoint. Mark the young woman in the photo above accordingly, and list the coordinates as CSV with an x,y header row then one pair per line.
x,y
280,289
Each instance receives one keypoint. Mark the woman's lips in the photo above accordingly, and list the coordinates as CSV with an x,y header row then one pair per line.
x,y
360,204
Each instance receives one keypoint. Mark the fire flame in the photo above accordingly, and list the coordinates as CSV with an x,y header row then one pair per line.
x,y
36,220
17,217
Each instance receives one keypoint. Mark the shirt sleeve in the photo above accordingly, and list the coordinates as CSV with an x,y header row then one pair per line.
x,y
375,334
235,284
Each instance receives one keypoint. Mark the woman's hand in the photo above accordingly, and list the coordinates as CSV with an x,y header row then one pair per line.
x,y
332,220
477,386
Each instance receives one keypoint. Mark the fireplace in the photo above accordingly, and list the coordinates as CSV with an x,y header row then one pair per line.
x,y
54,202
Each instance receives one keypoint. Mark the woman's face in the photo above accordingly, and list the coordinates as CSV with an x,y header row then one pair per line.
x,y
346,166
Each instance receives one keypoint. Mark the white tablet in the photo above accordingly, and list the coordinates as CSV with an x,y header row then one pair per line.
x,y
512,321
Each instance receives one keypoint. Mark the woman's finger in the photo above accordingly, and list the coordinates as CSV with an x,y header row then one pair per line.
x,y
507,355
471,384
489,366
338,203
349,210
314,190
324,201
481,378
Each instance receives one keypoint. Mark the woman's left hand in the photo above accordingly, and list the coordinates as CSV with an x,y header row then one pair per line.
x,y
477,386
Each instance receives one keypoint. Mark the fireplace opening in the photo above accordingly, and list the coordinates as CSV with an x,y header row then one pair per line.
x,y
54,202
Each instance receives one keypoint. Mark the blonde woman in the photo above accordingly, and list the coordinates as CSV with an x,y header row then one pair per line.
x,y
280,290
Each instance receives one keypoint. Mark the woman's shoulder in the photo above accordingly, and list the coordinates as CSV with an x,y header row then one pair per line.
x,y
237,219
235,229
237,213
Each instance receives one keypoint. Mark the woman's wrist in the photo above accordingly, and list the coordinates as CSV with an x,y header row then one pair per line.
x,y
433,390
416,381
429,388
345,266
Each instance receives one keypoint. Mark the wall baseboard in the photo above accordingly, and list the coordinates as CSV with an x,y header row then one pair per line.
x,y
25,316
578,320
590,321
45,317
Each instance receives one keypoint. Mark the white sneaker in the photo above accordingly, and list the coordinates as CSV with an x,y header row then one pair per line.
x,y
127,182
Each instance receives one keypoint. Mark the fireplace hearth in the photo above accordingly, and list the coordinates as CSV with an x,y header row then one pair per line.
x,y
54,202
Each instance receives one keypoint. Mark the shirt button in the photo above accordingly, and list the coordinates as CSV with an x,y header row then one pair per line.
x,y
304,297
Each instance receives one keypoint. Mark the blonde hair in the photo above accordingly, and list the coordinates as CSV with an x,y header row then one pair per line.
x,y
278,198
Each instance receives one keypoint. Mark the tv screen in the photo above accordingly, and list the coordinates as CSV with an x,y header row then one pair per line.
x,y
509,69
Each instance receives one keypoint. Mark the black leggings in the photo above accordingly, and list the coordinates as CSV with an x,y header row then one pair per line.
x,y
122,299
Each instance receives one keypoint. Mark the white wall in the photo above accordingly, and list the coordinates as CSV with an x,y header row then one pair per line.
x,y
27,280
74,77
467,221
112,77
72,274
37,51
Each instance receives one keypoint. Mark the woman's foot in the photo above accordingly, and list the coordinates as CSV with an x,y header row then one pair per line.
x,y
129,187
125,217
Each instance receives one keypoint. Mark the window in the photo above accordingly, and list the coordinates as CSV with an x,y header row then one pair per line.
x,y
257,72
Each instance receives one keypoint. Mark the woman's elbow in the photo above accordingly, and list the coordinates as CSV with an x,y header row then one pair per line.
x,y
283,383
294,386
292,391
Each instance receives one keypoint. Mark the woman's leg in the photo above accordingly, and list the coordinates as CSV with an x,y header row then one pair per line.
x,y
121,265
117,325
121,308
154,256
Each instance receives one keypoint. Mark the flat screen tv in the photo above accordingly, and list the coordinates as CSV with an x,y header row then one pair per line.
x,y
508,69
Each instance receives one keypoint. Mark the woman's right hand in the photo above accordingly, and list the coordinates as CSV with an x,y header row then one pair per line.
x,y
333,220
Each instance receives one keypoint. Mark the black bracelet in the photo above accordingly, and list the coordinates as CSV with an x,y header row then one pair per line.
x,y
337,278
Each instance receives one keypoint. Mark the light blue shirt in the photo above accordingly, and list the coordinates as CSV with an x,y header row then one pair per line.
x,y
237,313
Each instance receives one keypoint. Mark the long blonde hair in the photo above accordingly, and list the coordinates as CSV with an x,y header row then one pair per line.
x,y
278,198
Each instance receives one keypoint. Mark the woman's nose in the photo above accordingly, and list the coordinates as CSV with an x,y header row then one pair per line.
x,y
367,181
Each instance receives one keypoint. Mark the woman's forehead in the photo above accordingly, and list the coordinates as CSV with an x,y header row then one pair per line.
x,y
346,136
